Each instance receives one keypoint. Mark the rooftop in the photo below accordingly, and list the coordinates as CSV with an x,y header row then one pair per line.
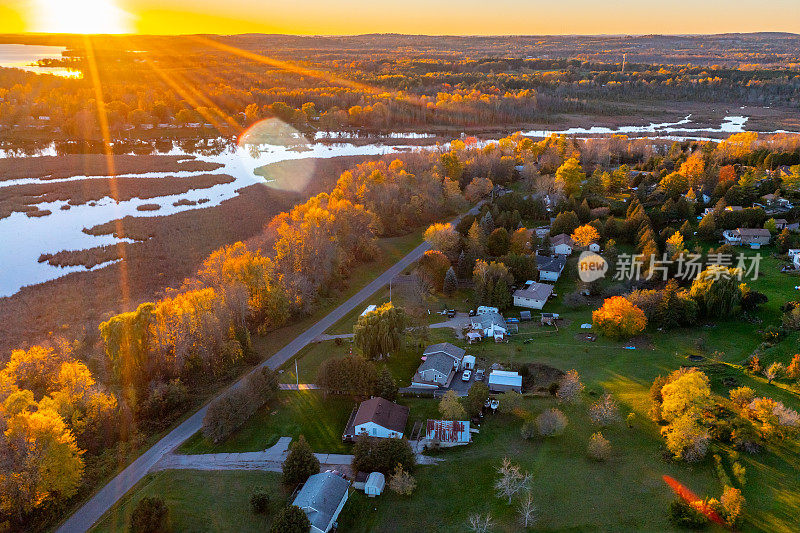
x,y
445,347
437,361
320,498
384,413
535,291
561,238
550,264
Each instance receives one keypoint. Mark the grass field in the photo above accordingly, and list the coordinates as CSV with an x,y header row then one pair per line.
x,y
321,420
572,492
201,501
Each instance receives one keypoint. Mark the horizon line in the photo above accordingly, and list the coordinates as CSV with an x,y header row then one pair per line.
x,y
386,34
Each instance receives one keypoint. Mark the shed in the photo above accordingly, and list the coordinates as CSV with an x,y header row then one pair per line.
x,y
469,362
504,380
374,485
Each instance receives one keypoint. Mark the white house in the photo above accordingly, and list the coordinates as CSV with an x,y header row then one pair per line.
x,y
534,296
594,247
753,237
794,257
490,322
562,244
322,498
374,484
503,380
377,417
550,268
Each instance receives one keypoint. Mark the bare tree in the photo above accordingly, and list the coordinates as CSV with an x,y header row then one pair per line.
x,y
479,523
402,482
512,480
604,412
570,387
528,512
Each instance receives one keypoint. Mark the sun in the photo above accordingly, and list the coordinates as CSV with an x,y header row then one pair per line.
x,y
80,16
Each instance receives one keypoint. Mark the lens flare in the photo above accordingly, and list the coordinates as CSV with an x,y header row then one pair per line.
x,y
279,153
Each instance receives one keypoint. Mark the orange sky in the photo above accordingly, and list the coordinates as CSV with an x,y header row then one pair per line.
x,y
411,16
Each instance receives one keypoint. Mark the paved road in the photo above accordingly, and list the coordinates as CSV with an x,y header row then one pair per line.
x,y
102,501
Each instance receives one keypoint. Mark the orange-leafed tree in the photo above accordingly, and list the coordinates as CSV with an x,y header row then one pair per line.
x,y
619,318
585,235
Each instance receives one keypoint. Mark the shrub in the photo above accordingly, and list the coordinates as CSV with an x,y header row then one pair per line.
x,y
570,387
402,482
386,387
150,515
742,396
162,402
551,422
604,411
259,502
599,447
684,515
732,504
382,455
228,412
529,429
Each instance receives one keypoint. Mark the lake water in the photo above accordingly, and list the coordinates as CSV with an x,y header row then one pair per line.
x,y
24,56
23,239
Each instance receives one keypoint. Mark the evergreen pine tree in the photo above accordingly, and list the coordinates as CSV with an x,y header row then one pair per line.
x,y
450,282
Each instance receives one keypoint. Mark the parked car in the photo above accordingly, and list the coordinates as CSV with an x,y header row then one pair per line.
x,y
472,312
466,375
451,313
494,404
479,375
512,320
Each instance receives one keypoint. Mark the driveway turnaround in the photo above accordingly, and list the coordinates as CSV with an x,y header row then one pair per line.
x,y
106,497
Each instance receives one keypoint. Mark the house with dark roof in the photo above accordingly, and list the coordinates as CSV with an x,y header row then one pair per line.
x,y
534,296
437,370
490,322
322,498
550,268
447,349
562,244
377,417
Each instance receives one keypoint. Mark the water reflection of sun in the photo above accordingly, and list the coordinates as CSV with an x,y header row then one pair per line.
x,y
79,16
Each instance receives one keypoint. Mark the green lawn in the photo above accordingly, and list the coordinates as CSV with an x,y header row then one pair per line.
x,y
201,501
320,420
402,365
572,492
